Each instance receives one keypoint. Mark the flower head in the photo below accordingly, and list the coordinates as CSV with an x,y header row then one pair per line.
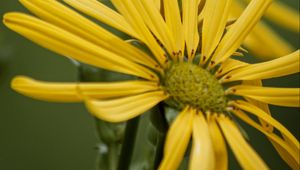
x,y
189,66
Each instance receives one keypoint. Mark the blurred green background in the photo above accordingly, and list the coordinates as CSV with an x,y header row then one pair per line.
x,y
36,135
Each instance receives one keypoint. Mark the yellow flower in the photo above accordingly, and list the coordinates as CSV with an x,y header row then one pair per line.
x,y
263,41
189,67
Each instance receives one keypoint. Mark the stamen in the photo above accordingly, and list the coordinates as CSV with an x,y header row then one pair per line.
x,y
220,71
230,91
180,52
227,77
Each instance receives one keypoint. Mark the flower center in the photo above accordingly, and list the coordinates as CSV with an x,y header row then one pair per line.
x,y
189,84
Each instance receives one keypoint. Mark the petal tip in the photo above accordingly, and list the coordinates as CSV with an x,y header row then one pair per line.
x,y
19,81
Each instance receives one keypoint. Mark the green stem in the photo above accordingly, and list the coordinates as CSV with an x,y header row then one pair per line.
x,y
128,144
113,154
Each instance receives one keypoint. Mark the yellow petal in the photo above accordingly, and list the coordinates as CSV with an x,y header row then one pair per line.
x,y
286,152
262,40
261,105
284,16
122,109
177,140
67,44
276,96
57,92
190,26
105,90
75,92
202,155
243,152
173,20
266,125
239,30
229,65
69,20
201,15
214,22
282,66
265,43
157,4
103,13
219,145
134,18
153,19
267,118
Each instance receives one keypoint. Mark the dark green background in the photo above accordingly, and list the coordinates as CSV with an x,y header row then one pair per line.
x,y
36,135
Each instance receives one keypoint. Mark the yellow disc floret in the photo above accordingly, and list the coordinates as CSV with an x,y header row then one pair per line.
x,y
189,84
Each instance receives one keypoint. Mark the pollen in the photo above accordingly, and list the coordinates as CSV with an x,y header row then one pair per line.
x,y
190,84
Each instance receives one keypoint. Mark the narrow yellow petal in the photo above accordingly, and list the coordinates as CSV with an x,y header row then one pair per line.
x,y
214,22
243,152
266,125
122,109
75,92
201,15
105,90
265,43
103,13
284,16
152,17
261,105
202,155
239,30
173,20
71,21
282,66
177,140
264,116
157,3
277,96
134,18
57,92
262,40
190,26
286,152
219,145
68,44
229,65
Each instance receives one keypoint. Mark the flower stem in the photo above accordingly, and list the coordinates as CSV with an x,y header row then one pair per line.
x,y
128,143
113,156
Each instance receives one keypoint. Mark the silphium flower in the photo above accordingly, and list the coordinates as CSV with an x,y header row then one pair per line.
x,y
263,41
189,66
